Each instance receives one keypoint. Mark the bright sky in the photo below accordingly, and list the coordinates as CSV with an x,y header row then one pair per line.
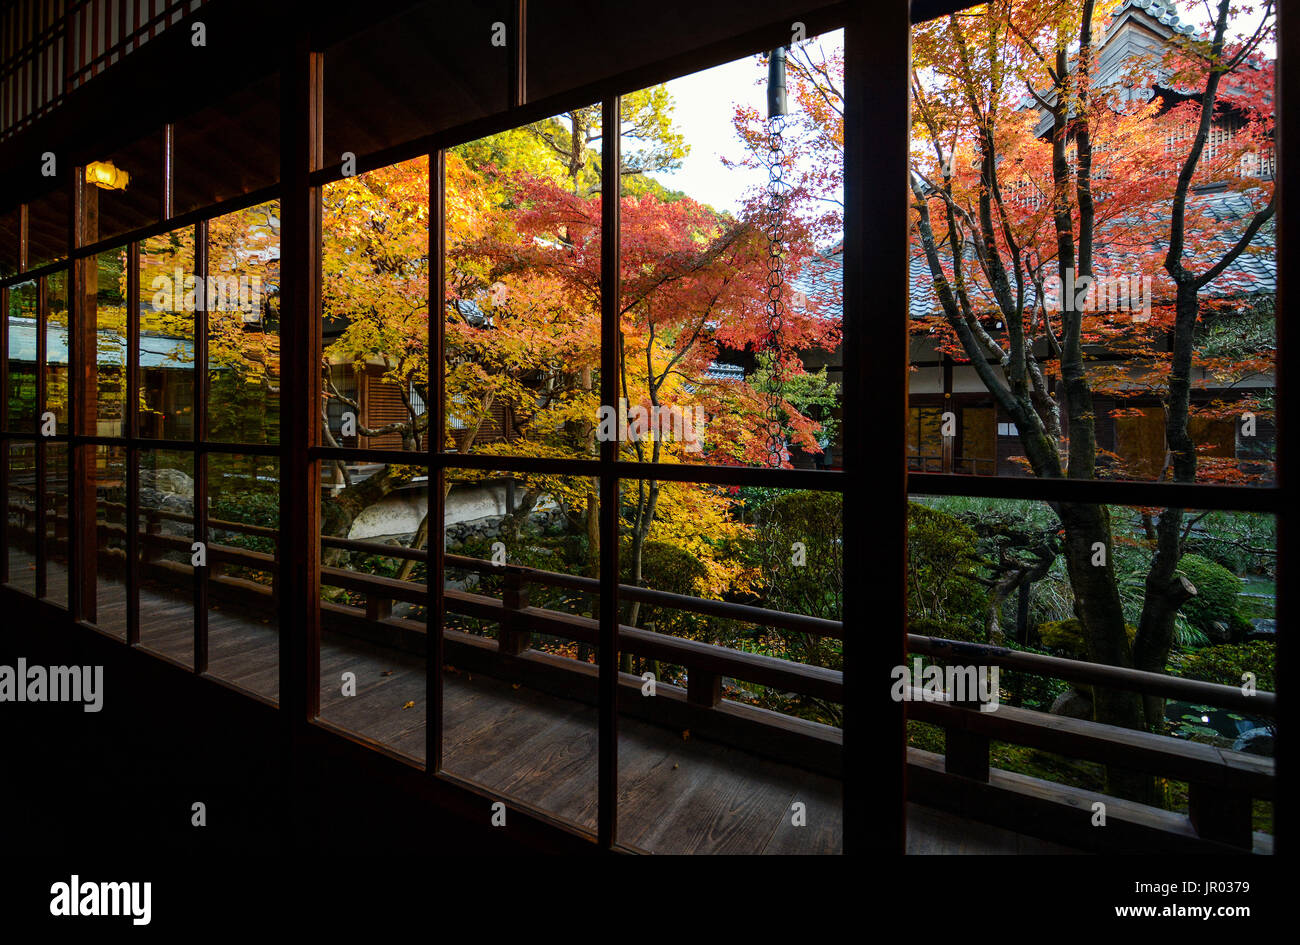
x,y
705,102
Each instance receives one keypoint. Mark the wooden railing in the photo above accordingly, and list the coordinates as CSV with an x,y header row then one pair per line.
x,y
1221,783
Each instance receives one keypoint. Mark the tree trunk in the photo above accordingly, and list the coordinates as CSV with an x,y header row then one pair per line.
x,y
1166,590
645,515
1099,610
340,510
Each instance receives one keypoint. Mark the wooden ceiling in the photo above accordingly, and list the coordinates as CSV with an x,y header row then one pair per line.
x,y
414,70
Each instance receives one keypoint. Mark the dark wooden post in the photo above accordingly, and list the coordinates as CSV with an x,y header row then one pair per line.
x,y
301,85
514,637
703,688
1220,814
877,122
965,752
378,607
83,383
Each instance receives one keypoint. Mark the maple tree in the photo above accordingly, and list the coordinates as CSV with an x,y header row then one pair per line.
x,y
692,281
1029,180
1000,211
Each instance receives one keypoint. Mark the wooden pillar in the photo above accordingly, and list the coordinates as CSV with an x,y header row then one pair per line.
x,y
200,437
436,438
610,351
877,41
300,141
83,391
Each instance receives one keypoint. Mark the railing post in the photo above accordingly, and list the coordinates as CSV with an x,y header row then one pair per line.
x,y
1221,815
966,753
378,608
513,637
703,689
151,526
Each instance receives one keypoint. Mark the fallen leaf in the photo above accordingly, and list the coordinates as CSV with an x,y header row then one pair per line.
x,y
409,705
387,672
686,735
514,685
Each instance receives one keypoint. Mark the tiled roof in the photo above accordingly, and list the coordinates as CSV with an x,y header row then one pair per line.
x,y
1251,274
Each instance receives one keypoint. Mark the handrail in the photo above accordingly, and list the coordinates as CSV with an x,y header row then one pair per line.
x,y
1222,783
1116,677
746,613
373,586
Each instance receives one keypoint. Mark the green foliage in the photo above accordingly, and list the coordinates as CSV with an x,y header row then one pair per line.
x,y
246,508
942,564
564,148
666,567
1238,336
813,394
1240,541
816,586
1226,664
1216,592
1067,636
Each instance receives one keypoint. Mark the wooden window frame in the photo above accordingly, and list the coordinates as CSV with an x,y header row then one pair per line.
x,y
877,129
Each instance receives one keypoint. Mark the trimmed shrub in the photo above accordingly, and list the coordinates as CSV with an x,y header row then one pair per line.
x,y
1067,636
942,562
1216,592
1226,664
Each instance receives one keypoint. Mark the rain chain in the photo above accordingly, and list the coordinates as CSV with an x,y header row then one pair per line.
x,y
777,193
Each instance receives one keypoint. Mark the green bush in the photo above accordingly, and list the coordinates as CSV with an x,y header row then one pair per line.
x,y
1225,664
815,587
1216,592
942,563
665,567
1067,636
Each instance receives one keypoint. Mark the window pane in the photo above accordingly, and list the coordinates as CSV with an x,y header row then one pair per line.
x,y
747,705
519,691
108,467
523,301
165,533
243,309
109,313
243,529
1097,371
978,451
375,271
20,323
1083,582
56,351
21,532
166,359
56,522
732,258
374,540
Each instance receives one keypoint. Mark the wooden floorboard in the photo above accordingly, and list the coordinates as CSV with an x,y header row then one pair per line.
x,y
676,794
